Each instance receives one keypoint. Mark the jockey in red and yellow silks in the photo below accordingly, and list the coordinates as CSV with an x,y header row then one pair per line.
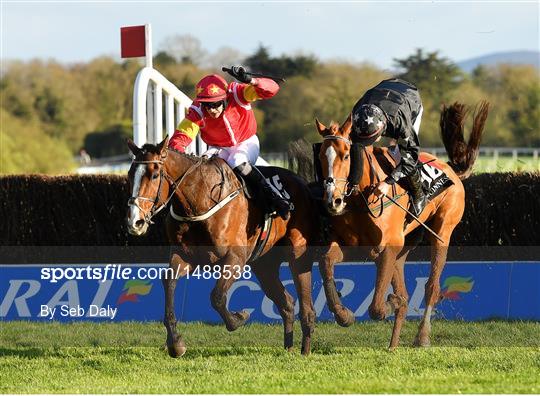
x,y
235,125
222,113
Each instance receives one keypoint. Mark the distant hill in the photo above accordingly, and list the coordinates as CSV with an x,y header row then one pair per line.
x,y
515,57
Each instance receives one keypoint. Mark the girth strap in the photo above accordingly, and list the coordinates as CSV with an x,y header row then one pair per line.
x,y
208,214
263,238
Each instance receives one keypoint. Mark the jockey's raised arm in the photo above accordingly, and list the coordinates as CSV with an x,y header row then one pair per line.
x,y
222,114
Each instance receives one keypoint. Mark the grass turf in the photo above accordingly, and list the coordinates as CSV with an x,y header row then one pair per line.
x,y
486,357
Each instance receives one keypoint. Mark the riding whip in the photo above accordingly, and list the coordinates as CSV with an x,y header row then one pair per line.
x,y
414,217
229,70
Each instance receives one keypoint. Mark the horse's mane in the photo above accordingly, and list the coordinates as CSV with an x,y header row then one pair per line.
x,y
150,148
154,149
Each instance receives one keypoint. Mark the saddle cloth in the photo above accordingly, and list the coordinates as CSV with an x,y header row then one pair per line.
x,y
434,179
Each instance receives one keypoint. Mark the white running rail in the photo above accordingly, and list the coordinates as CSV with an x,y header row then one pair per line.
x,y
151,94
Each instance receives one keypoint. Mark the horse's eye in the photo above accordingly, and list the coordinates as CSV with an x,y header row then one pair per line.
x,y
347,156
155,176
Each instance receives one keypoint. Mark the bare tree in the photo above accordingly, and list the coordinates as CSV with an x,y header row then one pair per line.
x,y
185,48
225,56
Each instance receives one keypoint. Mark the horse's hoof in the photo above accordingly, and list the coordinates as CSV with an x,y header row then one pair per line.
x,y
392,348
239,319
422,342
176,350
344,317
306,350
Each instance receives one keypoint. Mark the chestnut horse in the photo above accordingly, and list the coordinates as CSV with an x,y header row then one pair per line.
x,y
381,226
212,222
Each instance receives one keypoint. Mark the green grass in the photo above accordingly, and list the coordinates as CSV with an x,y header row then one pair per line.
x,y
486,357
504,164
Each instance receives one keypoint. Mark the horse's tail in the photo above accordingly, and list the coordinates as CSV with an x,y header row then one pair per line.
x,y
301,159
461,154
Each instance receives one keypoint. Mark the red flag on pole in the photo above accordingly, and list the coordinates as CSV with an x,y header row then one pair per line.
x,y
133,41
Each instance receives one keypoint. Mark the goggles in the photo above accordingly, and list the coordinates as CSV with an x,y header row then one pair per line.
x,y
213,105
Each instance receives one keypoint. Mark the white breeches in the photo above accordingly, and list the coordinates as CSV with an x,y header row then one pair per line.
x,y
247,151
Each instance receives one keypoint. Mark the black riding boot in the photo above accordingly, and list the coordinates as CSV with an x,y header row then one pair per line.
x,y
275,201
419,199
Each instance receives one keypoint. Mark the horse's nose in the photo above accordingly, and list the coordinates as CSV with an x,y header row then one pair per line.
x,y
337,201
330,180
139,223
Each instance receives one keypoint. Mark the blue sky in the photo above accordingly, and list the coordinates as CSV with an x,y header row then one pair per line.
x,y
354,31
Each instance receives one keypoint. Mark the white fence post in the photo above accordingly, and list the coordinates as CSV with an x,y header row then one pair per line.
x,y
150,86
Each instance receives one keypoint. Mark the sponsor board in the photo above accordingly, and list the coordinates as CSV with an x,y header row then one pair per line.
x,y
470,290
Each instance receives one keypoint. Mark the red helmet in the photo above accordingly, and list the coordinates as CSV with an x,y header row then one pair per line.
x,y
211,88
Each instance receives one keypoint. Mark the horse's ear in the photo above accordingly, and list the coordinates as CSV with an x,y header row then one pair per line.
x,y
345,128
133,147
320,127
163,146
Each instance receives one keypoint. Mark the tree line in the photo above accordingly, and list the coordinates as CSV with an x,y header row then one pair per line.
x,y
49,111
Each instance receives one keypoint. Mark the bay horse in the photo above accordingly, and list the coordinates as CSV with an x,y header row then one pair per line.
x,y
211,221
361,219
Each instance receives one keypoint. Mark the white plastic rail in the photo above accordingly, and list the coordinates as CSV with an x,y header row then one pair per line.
x,y
153,92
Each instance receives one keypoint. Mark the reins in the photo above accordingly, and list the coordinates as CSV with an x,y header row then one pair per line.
x,y
162,175
372,176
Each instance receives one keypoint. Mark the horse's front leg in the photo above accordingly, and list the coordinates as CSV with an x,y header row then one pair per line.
x,y
177,268
231,265
399,300
266,269
344,316
439,251
387,271
301,270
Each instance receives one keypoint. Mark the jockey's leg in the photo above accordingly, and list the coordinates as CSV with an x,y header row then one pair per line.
x,y
276,202
419,197
420,200
241,158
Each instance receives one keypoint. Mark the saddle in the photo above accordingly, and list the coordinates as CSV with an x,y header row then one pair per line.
x,y
271,175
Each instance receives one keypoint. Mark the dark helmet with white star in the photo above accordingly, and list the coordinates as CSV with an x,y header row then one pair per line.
x,y
368,123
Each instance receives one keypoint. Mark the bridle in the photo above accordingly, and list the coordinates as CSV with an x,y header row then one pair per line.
x,y
345,192
163,175
331,181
